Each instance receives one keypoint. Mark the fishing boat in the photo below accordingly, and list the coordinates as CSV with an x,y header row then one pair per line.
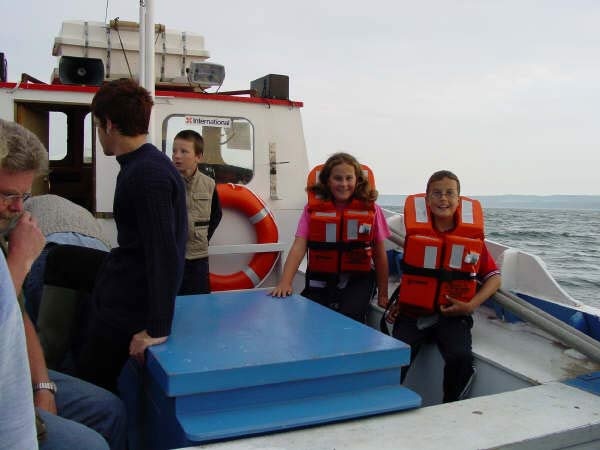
x,y
265,373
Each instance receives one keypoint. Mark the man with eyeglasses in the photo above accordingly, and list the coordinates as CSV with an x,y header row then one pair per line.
x,y
65,406
18,428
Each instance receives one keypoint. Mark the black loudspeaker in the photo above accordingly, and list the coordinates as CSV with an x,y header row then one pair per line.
x,y
75,70
272,86
3,70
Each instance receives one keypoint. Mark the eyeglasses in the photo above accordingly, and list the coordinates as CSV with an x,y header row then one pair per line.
x,y
449,194
7,199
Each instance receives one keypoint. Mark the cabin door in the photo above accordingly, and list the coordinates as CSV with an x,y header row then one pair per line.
x,y
67,133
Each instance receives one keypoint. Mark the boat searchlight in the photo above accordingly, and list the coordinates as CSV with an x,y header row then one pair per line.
x,y
206,74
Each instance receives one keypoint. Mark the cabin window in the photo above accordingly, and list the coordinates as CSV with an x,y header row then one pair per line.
x,y
57,136
88,139
228,145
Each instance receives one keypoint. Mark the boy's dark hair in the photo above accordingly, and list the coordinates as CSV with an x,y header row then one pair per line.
x,y
126,104
440,175
363,190
193,136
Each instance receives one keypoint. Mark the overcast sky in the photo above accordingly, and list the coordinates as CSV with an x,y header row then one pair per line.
x,y
504,93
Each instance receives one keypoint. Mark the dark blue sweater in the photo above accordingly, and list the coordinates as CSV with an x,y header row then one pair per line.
x,y
139,280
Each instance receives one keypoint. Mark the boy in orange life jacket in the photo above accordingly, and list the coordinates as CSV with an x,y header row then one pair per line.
x,y
449,322
344,232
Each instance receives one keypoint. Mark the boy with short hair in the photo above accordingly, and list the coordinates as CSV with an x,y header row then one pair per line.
x,y
204,211
447,322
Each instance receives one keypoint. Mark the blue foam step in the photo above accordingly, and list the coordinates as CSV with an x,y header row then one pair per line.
x,y
244,363
262,418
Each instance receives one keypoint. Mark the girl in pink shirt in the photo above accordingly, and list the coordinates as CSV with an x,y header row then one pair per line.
x,y
341,186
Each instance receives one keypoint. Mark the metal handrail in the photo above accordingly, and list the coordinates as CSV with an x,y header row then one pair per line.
x,y
565,333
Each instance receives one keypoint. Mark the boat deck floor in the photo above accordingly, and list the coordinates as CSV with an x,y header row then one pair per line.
x,y
526,351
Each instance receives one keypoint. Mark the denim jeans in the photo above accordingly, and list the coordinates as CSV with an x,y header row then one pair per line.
x,y
88,417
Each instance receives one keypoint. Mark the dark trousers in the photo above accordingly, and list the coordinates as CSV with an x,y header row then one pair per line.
x,y
102,354
351,300
196,277
452,335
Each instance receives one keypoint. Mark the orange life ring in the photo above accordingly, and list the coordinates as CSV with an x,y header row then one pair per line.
x,y
241,198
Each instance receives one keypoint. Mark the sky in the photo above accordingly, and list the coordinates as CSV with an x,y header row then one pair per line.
x,y
504,93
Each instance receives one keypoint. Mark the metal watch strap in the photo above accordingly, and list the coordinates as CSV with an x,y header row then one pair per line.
x,y
47,385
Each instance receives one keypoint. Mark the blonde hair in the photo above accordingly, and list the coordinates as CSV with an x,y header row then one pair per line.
x,y
21,150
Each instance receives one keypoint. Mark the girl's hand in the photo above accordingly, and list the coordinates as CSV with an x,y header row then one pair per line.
x,y
456,307
281,291
393,313
382,300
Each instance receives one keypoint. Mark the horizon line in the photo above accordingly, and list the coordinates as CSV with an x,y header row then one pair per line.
x,y
516,195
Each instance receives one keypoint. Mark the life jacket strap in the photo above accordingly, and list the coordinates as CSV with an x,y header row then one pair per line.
x,y
438,274
341,246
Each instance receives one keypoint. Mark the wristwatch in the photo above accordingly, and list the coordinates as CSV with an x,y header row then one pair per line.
x,y
47,385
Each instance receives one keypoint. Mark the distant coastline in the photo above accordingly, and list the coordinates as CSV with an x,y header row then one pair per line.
x,y
516,201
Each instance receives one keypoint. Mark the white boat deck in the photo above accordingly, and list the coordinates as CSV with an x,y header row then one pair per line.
x,y
526,351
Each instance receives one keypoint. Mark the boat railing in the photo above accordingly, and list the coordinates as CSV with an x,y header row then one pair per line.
x,y
548,323
527,274
226,249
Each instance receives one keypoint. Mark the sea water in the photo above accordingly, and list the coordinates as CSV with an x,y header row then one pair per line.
x,y
567,240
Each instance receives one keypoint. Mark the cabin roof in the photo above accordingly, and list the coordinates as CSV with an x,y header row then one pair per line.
x,y
159,93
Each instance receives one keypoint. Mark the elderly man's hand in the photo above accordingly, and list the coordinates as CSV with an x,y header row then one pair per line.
x,y
26,242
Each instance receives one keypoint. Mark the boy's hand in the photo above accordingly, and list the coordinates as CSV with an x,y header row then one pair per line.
x,y
456,307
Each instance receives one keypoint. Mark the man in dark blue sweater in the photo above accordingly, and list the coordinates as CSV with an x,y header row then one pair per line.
x,y
135,289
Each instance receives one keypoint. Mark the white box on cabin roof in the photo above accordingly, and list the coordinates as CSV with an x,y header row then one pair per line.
x,y
174,50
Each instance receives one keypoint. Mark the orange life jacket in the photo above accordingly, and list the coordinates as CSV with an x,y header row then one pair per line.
x,y
440,264
339,240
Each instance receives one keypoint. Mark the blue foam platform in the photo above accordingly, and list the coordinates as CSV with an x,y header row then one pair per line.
x,y
241,363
